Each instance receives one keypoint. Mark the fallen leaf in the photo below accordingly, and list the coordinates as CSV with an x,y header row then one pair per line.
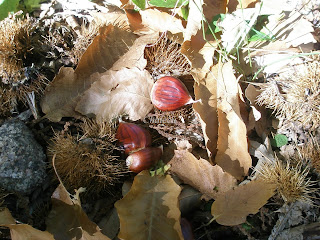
x,y
195,18
149,211
153,21
200,54
232,155
67,220
61,96
205,90
234,4
200,174
233,207
258,118
126,91
212,8
6,217
22,231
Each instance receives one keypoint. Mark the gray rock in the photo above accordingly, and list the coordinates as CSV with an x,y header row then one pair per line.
x,y
22,160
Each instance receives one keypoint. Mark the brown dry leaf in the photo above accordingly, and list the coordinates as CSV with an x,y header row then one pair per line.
x,y
152,20
232,155
22,231
194,19
126,91
149,211
213,7
60,97
200,174
234,206
200,55
206,90
68,221
234,4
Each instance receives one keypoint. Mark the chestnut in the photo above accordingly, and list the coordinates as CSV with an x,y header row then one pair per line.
x,y
144,158
169,94
133,137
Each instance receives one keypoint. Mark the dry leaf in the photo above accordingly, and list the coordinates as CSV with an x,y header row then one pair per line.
x,y
200,55
22,231
67,220
126,91
232,155
234,4
233,207
60,97
212,8
149,211
152,20
195,18
206,90
200,174
6,217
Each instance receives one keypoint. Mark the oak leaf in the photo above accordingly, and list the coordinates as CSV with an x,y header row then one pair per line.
x,y
232,207
200,174
149,211
232,155
126,91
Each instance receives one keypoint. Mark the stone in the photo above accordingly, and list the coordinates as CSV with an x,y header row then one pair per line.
x,y
22,159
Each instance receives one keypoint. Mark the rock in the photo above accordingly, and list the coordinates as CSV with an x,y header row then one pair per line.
x,y
22,160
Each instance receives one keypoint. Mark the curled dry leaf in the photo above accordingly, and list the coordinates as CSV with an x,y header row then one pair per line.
x,y
200,174
126,91
149,211
200,55
233,207
67,220
232,155
152,20
61,96
22,231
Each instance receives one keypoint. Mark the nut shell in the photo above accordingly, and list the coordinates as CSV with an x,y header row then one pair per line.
x,y
143,159
133,137
169,94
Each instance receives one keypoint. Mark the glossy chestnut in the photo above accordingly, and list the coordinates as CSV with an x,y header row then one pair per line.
x,y
132,136
169,94
143,159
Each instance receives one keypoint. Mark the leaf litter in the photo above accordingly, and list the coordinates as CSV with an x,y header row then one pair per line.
x,y
233,172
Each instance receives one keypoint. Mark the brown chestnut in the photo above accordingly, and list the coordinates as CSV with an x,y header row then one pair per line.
x,y
169,94
143,159
133,137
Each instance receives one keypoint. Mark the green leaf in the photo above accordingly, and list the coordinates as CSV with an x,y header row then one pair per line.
x,y
214,23
255,34
185,12
30,5
7,6
169,3
140,3
279,140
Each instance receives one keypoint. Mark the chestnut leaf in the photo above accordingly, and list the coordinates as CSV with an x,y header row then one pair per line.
x,y
232,207
149,211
